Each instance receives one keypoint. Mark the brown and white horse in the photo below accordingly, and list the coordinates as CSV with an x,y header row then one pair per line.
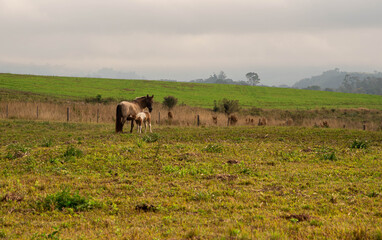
x,y
143,118
127,111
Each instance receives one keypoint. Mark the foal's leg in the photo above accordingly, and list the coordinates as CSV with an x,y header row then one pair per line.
x,y
150,126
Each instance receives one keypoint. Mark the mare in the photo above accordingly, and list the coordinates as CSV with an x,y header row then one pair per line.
x,y
127,111
143,117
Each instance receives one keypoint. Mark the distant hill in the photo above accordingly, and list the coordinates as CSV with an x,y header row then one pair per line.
x,y
333,79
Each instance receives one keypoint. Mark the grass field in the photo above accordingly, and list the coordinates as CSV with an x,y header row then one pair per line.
x,y
192,94
83,181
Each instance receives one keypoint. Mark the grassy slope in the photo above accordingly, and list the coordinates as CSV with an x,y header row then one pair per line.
x,y
192,94
286,183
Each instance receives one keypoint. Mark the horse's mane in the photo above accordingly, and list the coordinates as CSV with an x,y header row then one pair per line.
x,y
137,99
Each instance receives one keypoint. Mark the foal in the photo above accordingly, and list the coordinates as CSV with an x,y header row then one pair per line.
x,y
143,117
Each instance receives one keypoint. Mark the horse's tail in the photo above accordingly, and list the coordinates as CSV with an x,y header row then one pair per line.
x,y
118,119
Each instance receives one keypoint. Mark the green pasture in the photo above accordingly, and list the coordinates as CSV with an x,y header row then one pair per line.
x,y
192,94
83,181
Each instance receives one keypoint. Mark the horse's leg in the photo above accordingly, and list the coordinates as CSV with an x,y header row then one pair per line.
x,y
145,126
150,126
132,126
123,120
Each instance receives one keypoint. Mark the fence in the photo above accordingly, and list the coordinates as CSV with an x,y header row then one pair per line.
x,y
85,112
182,116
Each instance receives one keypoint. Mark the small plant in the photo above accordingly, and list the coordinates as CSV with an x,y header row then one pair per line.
x,y
293,220
72,152
372,194
170,169
52,235
233,233
315,223
213,148
2,234
326,153
202,196
65,199
359,144
47,142
150,138
330,156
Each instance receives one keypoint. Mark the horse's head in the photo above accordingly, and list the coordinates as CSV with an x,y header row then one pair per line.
x,y
149,102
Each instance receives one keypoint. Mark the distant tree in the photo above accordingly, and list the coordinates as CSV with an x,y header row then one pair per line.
x,y
222,75
253,78
220,78
169,102
349,84
317,88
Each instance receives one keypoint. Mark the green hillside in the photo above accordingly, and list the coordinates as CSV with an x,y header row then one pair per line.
x,y
192,94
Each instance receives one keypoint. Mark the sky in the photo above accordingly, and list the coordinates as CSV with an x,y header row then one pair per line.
x,y
281,40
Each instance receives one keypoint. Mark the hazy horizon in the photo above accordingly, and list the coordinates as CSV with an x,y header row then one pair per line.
x,y
283,41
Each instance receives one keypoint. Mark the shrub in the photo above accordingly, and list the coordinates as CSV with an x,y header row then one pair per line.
x,y
99,99
65,199
226,106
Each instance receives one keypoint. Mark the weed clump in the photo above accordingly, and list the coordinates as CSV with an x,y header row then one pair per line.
x,y
150,138
330,156
47,142
297,217
12,197
53,235
65,199
213,148
71,153
146,207
16,151
327,154
360,144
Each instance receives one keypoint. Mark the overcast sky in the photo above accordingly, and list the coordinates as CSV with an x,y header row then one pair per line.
x,y
282,40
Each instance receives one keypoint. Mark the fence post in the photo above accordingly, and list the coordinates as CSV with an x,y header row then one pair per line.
x,y
97,115
67,114
198,120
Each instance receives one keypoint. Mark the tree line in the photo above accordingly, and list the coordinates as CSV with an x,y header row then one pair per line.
x,y
221,78
355,84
